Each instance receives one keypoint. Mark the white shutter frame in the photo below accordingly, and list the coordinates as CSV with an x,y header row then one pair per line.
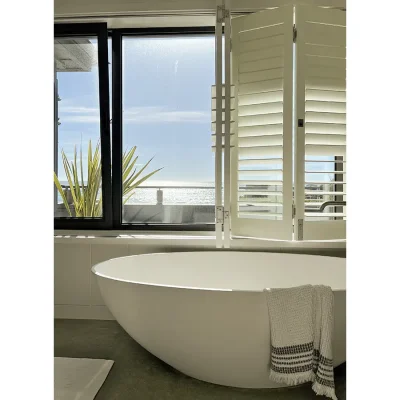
x,y
218,127
258,223
227,123
320,77
221,106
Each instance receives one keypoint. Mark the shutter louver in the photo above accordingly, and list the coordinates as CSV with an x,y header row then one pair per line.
x,y
321,143
261,165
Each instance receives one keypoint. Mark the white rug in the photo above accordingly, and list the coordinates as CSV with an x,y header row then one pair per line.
x,y
79,378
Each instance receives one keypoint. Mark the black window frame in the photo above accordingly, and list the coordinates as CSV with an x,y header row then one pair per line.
x,y
100,31
112,182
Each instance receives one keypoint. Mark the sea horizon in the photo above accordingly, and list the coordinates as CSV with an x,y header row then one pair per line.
x,y
183,184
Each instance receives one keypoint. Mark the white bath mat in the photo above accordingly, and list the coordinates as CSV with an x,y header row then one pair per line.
x,y
79,378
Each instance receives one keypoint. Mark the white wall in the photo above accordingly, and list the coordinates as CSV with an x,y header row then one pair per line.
x,y
76,294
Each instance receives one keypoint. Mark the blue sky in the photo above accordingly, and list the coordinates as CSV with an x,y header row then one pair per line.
x,y
166,103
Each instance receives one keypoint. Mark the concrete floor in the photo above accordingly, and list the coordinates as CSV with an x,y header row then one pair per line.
x,y
137,374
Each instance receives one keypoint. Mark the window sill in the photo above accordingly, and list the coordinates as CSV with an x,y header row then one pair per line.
x,y
198,239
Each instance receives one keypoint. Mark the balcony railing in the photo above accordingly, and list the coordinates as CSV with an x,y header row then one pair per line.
x,y
159,194
156,210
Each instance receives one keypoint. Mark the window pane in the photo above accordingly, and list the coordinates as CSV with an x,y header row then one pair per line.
x,y
167,116
323,177
77,133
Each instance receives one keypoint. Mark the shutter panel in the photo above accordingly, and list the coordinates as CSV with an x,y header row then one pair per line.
x,y
261,165
321,141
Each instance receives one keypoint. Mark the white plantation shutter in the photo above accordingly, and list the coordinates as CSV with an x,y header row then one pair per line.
x,y
261,165
321,114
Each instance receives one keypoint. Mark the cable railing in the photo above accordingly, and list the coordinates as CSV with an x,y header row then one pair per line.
x,y
159,190
160,195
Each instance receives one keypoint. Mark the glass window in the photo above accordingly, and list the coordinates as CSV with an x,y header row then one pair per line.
x,y
77,128
168,171
323,183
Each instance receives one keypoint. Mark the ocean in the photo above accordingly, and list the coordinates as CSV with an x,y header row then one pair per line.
x,y
198,196
186,193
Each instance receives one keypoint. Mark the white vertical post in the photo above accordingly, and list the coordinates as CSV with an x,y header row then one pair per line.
x,y
218,128
159,196
55,132
299,161
227,152
287,164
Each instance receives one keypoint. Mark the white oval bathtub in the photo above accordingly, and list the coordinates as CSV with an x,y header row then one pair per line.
x,y
205,313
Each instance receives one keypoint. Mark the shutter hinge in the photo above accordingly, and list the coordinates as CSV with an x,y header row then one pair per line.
x,y
293,211
294,33
227,216
219,215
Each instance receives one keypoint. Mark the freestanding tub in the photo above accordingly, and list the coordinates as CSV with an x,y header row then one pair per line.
x,y
205,313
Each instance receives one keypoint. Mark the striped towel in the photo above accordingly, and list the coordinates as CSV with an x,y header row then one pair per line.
x,y
301,321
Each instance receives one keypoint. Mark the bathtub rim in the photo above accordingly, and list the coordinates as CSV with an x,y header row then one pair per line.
x,y
93,270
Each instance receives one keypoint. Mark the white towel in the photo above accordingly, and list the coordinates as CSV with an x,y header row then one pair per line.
x,y
301,322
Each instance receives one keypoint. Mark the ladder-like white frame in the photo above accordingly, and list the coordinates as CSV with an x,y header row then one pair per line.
x,y
222,210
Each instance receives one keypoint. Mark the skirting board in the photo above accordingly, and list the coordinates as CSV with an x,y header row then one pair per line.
x,y
82,312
